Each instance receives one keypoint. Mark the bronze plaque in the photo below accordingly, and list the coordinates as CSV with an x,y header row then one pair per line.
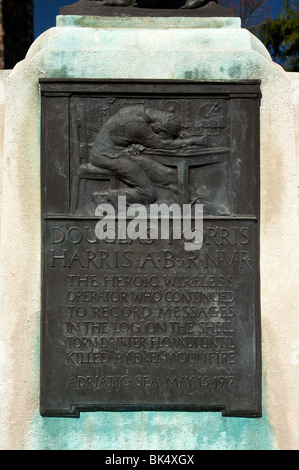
x,y
147,323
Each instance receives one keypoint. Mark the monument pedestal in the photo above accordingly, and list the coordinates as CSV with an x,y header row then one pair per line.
x,y
200,49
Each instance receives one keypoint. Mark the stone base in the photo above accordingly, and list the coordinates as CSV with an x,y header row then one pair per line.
x,y
148,48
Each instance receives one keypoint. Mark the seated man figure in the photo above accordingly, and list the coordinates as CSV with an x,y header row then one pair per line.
x,y
119,145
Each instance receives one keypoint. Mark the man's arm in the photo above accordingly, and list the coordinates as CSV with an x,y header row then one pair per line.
x,y
203,141
154,141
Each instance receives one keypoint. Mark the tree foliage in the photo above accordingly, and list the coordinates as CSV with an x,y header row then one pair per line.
x,y
281,36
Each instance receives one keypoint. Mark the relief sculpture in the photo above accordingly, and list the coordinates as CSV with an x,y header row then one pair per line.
x,y
122,148
144,323
151,151
155,3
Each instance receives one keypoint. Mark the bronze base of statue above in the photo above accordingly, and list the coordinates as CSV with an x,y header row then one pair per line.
x,y
152,8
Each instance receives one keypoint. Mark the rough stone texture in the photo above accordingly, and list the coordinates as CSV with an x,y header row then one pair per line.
x,y
294,77
206,50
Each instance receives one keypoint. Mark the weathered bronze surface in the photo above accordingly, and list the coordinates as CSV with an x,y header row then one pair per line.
x,y
128,146
145,324
207,8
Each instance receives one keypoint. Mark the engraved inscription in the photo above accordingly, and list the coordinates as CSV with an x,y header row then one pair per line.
x,y
170,308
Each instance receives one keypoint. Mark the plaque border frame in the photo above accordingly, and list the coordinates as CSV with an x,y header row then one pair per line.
x,y
65,88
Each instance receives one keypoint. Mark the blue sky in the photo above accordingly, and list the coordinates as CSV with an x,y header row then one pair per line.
x,y
45,12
